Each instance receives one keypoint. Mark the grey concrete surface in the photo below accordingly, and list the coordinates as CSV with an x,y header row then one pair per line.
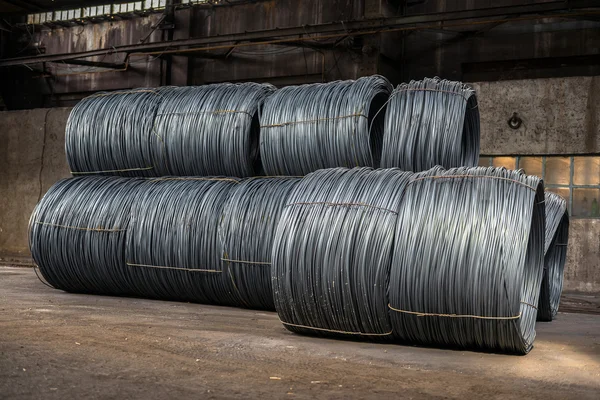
x,y
55,345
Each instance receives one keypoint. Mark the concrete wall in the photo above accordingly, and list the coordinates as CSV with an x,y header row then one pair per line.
x,y
560,116
32,158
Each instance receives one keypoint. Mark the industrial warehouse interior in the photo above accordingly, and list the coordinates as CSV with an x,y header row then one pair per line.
x,y
238,199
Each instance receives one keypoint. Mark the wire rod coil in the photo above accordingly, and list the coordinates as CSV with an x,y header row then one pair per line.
x,y
431,122
310,127
246,232
172,245
77,234
112,134
557,238
332,252
468,260
212,130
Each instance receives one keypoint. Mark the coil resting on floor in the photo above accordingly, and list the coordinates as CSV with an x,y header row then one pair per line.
x,y
198,130
468,260
246,232
337,124
77,234
556,240
431,122
332,252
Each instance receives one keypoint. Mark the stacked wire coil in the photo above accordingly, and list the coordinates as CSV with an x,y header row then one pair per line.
x,y
431,122
211,130
172,245
337,124
77,234
468,260
556,241
112,134
332,252
246,232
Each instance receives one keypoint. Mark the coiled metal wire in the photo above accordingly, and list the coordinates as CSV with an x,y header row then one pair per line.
x,y
431,122
337,124
468,260
557,238
112,134
332,252
211,130
199,131
77,234
172,245
246,232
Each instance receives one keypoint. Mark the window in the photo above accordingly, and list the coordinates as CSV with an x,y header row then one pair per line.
x,y
575,178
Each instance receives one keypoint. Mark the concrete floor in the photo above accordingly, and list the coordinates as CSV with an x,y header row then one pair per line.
x,y
55,345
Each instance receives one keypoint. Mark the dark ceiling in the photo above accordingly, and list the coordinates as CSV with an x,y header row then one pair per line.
x,y
33,6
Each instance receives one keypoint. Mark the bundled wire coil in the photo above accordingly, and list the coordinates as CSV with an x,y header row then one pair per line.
x,y
211,130
172,244
431,122
332,252
246,232
77,234
112,134
468,260
337,124
557,237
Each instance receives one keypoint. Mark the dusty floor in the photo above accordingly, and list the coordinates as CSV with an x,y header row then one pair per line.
x,y
55,345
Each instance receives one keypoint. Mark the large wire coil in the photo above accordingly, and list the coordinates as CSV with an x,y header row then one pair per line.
x,y
431,122
310,127
77,234
112,134
332,252
468,260
246,232
556,242
211,130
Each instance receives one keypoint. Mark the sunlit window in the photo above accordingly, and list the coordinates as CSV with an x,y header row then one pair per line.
x,y
575,178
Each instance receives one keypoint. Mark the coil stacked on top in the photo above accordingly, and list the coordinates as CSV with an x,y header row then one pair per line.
x,y
172,244
112,134
246,232
556,240
468,260
337,124
431,122
212,130
77,234
332,252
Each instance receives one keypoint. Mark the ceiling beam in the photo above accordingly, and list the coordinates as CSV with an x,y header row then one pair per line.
x,y
333,29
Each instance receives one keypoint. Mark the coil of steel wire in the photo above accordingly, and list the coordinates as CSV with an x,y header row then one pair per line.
x,y
468,260
246,232
557,238
337,124
77,234
172,247
332,252
431,122
112,134
212,130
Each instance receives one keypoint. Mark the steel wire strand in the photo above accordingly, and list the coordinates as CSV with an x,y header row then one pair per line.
x,y
310,127
211,130
557,238
112,134
468,260
246,232
77,234
431,122
332,252
172,245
